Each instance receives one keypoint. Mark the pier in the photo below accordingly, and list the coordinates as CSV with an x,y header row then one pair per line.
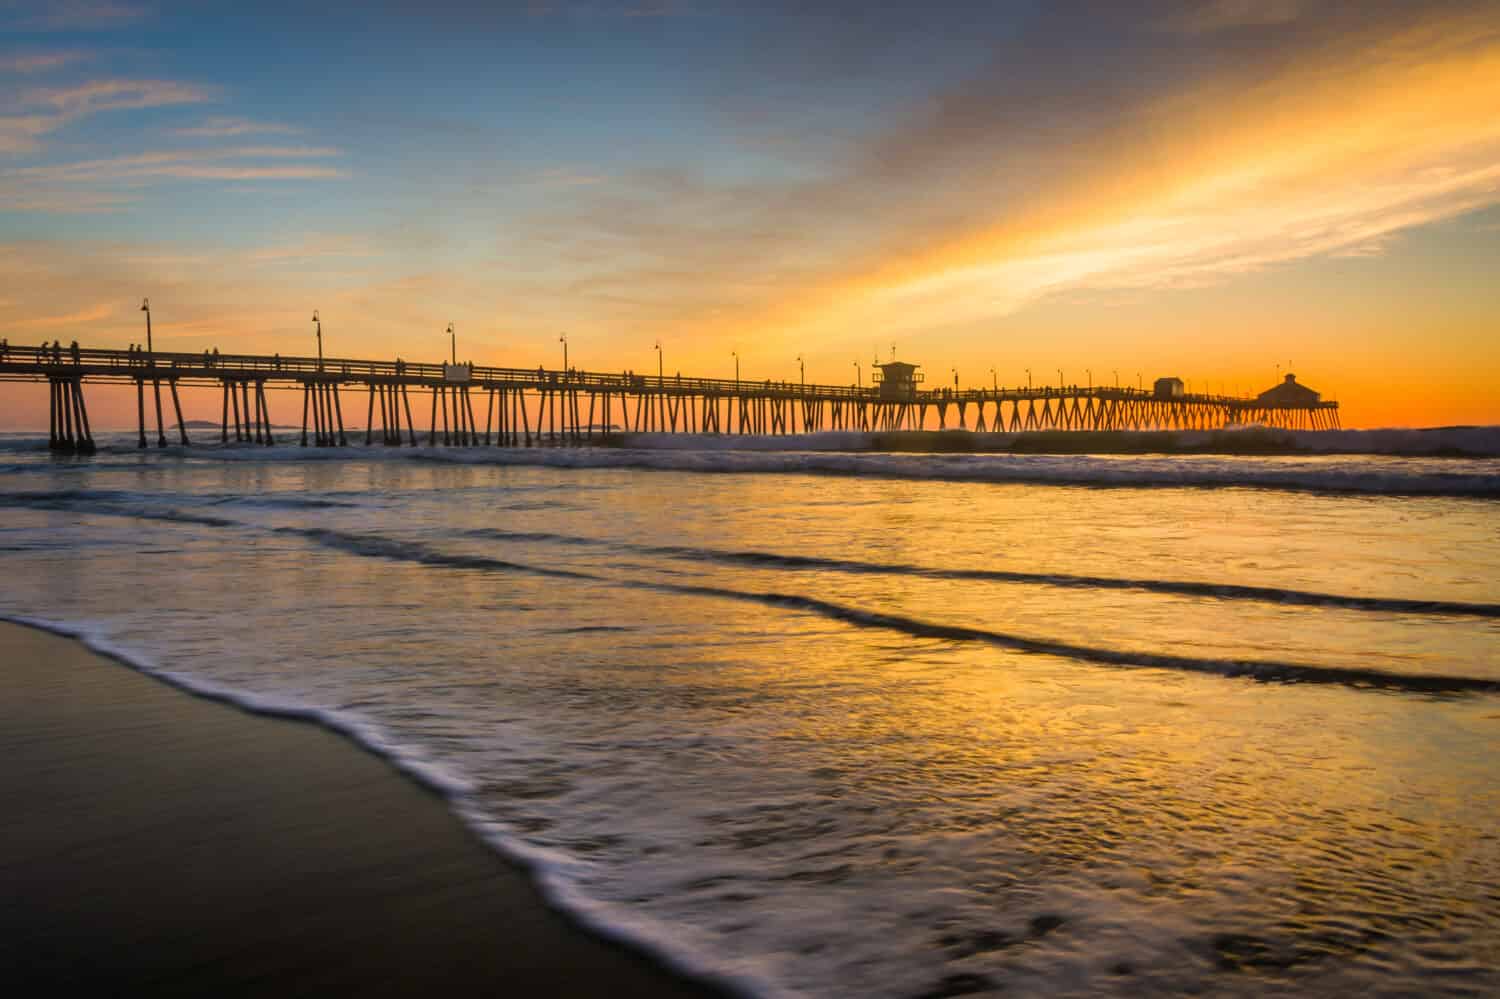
x,y
522,407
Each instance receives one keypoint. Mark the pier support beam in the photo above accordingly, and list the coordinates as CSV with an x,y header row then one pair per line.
x,y
140,407
68,417
177,408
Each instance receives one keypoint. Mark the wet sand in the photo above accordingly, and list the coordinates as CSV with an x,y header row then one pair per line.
x,y
154,840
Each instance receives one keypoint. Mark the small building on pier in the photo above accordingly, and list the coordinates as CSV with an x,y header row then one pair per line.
x,y
897,379
1169,388
1289,395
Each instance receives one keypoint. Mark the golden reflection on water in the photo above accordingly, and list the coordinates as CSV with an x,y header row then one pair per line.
x,y
733,762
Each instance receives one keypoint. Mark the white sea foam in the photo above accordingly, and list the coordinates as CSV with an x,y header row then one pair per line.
x,y
1356,461
1404,476
554,872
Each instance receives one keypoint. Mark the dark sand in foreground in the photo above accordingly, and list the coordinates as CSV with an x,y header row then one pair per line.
x,y
155,841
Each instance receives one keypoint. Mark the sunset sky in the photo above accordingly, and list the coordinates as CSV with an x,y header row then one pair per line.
x,y
1207,189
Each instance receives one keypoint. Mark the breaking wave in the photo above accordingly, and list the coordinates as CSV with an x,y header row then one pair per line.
x,y
1222,591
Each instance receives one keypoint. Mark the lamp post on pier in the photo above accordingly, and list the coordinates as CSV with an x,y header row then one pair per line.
x,y
802,372
1090,373
659,380
146,308
736,355
1140,383
1117,377
1059,379
563,339
453,344
1028,379
994,380
318,323
858,375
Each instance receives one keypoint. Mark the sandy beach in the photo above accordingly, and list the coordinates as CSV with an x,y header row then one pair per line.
x,y
156,841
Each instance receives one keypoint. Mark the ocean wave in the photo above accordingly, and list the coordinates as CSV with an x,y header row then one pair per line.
x,y
1327,466
1222,591
1476,478
383,547
104,502
126,504
378,546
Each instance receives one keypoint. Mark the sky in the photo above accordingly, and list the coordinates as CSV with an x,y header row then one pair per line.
x,y
1221,190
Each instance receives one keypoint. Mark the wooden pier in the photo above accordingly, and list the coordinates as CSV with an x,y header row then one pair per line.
x,y
536,407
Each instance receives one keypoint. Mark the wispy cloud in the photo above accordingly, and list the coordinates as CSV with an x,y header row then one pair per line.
x,y
112,95
45,201
92,314
103,185
223,128
1234,155
181,163
40,111
21,133
38,62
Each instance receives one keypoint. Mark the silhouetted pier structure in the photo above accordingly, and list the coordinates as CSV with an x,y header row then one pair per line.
x,y
534,407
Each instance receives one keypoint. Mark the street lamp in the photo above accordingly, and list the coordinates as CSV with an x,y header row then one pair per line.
x,y
736,369
563,339
1117,377
146,308
802,369
1059,378
659,379
1090,373
453,343
319,324
858,375
1140,383
955,379
994,380
1028,378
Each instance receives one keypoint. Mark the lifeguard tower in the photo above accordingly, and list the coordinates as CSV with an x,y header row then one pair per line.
x,y
897,380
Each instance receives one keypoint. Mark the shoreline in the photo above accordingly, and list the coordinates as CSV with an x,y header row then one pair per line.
x,y
160,839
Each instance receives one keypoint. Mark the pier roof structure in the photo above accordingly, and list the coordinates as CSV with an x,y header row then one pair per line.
x,y
1289,393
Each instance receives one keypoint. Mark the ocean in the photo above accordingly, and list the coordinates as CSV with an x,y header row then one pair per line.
x,y
856,724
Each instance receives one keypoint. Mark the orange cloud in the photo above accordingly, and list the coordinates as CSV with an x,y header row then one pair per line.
x,y
92,314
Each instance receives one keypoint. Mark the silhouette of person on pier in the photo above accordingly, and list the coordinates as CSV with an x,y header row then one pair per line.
x,y
76,354
56,351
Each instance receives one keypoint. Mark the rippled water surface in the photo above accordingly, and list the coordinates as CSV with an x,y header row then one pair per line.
x,y
892,734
